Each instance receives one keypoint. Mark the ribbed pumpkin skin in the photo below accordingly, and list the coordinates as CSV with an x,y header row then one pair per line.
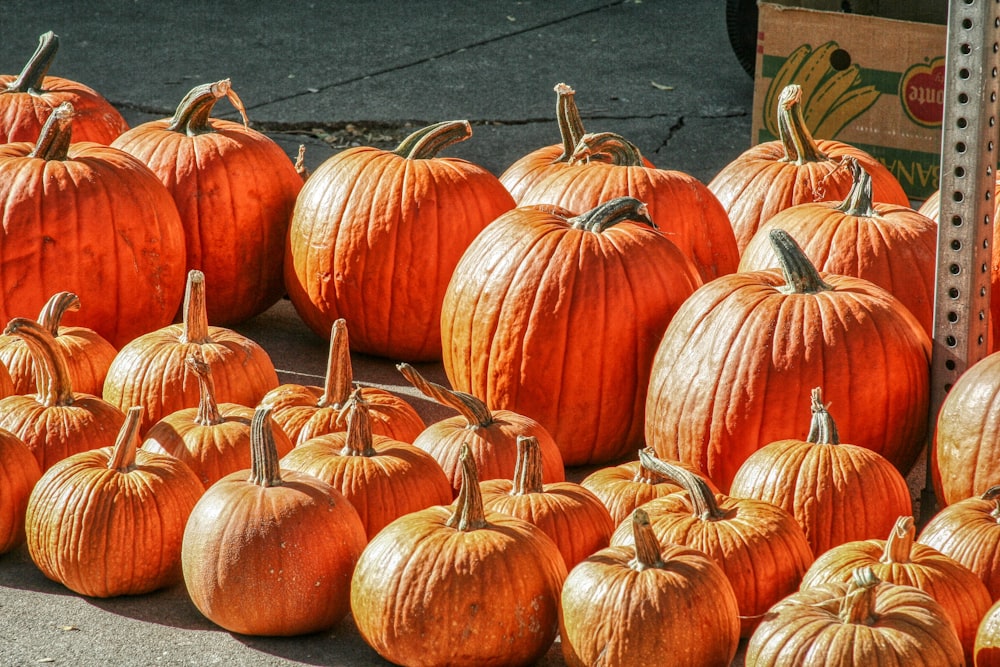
x,y
99,224
965,459
22,116
235,189
969,532
374,239
19,472
987,648
561,324
713,393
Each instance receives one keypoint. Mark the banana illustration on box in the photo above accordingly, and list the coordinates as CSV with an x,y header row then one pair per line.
x,y
831,98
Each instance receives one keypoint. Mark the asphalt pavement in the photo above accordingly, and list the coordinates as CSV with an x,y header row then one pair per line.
x,y
330,75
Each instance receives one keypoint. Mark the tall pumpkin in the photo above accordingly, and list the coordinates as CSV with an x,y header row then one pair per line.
x,y
739,354
558,316
234,189
92,220
376,234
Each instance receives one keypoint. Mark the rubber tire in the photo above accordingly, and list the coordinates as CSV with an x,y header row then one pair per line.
x,y
741,26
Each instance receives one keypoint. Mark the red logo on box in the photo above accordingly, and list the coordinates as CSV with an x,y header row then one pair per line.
x,y
921,91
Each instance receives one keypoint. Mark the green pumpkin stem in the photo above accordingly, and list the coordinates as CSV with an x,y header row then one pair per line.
x,y
127,443
31,77
469,514
427,142
195,311
801,276
701,496
527,467
470,407
858,606
822,428
607,147
194,112
359,426
800,147
264,468
899,546
208,409
56,134
610,213
648,553
568,118
858,202
339,371
58,305
52,378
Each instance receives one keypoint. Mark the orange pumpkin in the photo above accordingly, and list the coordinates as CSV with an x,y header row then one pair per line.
x,y
235,190
19,472
986,652
376,234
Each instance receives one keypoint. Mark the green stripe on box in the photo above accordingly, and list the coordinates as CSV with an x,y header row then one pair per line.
x,y
884,81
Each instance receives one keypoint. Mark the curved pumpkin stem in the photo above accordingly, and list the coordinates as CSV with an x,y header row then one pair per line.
x,y
527,467
469,513
644,475
52,377
195,311
822,429
31,77
55,136
58,305
427,142
194,111
648,553
208,409
858,606
858,202
610,213
359,426
123,455
899,546
470,407
607,147
264,468
568,118
801,276
702,499
993,494
798,142
339,371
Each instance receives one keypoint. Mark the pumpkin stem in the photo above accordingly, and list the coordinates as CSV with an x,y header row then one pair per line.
x,y
52,312
194,111
607,147
800,147
264,468
195,312
527,467
801,276
208,409
647,548
645,475
300,163
359,426
702,498
993,494
31,77
52,377
123,454
568,117
470,407
55,136
610,213
429,141
339,371
900,543
858,606
469,514
822,429
858,202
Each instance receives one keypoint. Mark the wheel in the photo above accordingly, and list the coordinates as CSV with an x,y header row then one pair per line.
x,y
741,26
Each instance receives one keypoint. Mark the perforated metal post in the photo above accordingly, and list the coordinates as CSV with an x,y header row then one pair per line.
x,y
965,235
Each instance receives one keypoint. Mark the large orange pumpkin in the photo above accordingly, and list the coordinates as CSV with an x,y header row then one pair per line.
x,y
376,234
19,472
739,354
92,220
235,189
558,317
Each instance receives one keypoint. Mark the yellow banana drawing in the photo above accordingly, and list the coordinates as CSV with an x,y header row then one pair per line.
x,y
814,70
784,76
829,92
848,107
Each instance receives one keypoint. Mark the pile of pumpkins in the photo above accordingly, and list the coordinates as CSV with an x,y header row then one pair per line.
x,y
586,307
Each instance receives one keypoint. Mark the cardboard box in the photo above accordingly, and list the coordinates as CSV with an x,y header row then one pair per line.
x,y
872,82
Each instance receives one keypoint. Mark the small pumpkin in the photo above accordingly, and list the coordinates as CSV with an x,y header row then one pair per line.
x,y
270,552
986,652
306,411
459,586
109,521
381,477
88,354
633,605
19,472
